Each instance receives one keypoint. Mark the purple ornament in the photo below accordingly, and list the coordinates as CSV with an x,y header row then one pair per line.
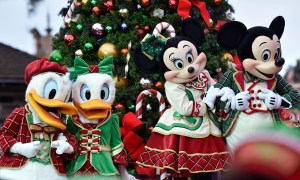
x,y
124,26
97,29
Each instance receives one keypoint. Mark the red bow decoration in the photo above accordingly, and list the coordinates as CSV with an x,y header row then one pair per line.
x,y
86,141
94,132
184,7
133,143
86,149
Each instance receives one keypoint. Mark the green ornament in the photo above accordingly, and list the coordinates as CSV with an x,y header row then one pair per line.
x,y
108,29
88,46
131,107
79,27
93,2
145,17
56,56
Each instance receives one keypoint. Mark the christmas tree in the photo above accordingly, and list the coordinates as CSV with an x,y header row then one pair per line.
x,y
95,29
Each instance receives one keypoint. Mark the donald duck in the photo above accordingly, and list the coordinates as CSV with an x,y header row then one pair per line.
x,y
33,138
101,152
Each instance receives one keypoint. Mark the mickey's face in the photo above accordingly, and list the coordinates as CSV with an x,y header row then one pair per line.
x,y
183,62
268,61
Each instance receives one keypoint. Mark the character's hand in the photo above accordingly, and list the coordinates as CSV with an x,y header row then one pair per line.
x,y
124,174
210,97
272,100
226,95
240,102
61,145
28,150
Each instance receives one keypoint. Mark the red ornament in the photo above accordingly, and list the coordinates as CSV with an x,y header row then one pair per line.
x,y
141,33
151,128
109,5
146,28
145,3
158,85
206,31
124,51
78,4
119,106
217,2
137,26
68,39
173,4
218,25
96,10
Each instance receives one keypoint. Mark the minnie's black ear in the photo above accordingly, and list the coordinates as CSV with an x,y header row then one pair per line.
x,y
143,63
231,34
193,29
277,25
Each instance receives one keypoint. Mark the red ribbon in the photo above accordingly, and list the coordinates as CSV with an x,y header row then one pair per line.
x,y
133,143
184,7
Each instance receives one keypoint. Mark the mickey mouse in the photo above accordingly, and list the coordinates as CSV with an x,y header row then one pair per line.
x,y
259,91
187,132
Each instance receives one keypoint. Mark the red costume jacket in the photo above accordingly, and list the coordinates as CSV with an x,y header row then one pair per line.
x,y
16,129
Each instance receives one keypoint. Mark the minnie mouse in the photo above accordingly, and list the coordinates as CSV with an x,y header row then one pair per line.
x,y
259,91
187,139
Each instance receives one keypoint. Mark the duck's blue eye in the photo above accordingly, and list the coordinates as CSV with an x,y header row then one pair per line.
x,y
85,93
104,92
50,89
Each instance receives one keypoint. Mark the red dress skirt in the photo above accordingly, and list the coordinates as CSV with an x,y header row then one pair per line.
x,y
184,155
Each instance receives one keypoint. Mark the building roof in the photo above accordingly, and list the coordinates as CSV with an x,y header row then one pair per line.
x,y
13,63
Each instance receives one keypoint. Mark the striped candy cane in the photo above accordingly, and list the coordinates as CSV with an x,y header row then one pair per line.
x,y
139,101
164,26
70,11
162,108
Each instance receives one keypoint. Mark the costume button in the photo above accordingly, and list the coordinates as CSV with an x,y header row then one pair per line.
x,y
257,98
90,141
45,148
251,91
259,105
259,90
252,98
42,157
254,105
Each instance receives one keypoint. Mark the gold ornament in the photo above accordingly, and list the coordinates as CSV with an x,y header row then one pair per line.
x,y
84,1
227,56
120,81
123,12
79,53
107,49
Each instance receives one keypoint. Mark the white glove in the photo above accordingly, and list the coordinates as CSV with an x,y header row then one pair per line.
x,y
210,97
272,100
124,174
28,150
240,102
226,95
61,145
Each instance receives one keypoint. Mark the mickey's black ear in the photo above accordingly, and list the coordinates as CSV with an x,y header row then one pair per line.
x,y
193,29
277,25
143,63
231,34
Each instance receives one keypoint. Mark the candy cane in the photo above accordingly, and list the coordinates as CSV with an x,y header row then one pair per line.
x,y
139,100
70,11
164,26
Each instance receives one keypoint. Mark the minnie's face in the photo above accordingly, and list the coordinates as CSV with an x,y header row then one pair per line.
x,y
183,62
266,51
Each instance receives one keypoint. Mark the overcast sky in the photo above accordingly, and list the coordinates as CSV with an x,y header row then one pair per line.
x,y
16,24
